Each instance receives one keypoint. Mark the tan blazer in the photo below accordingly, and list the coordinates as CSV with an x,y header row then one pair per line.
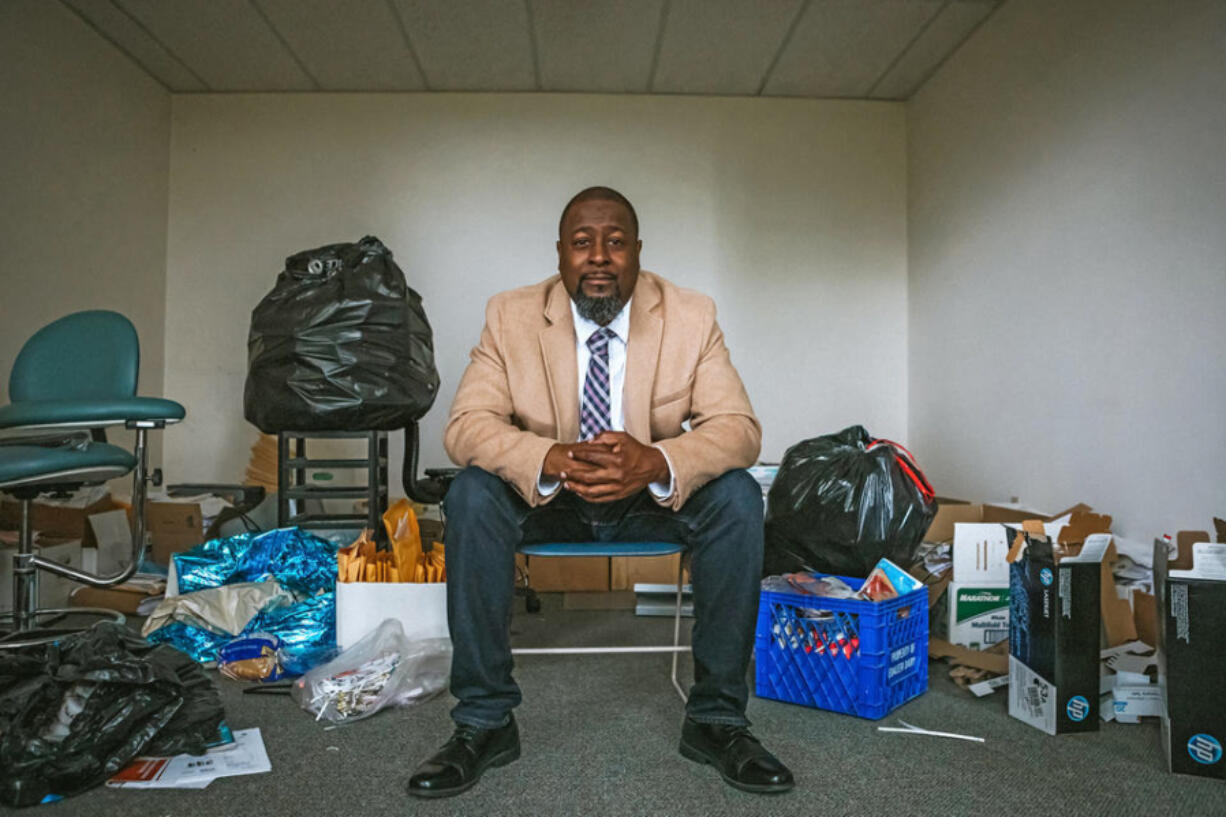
x,y
519,394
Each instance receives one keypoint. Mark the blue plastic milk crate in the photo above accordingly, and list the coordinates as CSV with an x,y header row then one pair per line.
x,y
859,657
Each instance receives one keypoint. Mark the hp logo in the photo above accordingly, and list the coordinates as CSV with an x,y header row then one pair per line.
x,y
1205,749
1078,707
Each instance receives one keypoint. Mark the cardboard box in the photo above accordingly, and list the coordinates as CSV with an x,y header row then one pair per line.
x,y
562,573
173,527
952,511
973,615
362,606
1129,683
124,598
1191,659
56,520
1054,632
627,571
980,554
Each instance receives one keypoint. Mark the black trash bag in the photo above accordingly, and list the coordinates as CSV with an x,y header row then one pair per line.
x,y
74,713
341,343
841,502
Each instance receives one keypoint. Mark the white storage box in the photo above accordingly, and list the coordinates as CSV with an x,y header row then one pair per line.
x,y
361,606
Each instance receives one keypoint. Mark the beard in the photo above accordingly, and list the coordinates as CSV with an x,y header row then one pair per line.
x,y
598,310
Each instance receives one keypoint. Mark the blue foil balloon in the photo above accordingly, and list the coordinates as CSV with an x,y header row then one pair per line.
x,y
301,562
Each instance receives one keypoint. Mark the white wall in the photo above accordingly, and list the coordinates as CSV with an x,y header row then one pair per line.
x,y
1067,261
791,214
84,157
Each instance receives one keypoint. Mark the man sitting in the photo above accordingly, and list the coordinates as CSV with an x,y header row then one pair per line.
x,y
569,419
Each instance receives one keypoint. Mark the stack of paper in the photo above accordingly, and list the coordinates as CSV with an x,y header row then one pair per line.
x,y
245,756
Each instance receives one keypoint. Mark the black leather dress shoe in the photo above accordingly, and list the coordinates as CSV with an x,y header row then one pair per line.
x,y
738,756
458,765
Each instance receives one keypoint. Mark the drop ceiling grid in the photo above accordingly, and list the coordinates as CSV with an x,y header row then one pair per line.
x,y
593,46
880,49
226,42
347,45
951,27
478,45
841,47
720,46
127,34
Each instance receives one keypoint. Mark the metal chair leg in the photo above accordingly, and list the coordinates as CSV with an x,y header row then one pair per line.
x,y
677,631
27,563
25,615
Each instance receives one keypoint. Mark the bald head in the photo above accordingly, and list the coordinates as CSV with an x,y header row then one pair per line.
x,y
600,194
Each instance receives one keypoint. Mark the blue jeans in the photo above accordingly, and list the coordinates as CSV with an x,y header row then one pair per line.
x,y
720,525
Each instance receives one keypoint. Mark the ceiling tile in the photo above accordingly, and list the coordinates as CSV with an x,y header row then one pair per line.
x,y
720,46
226,42
147,52
477,45
590,45
841,47
942,38
346,45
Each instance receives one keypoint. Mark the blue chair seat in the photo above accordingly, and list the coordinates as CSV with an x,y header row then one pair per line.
x,y
32,464
601,549
88,412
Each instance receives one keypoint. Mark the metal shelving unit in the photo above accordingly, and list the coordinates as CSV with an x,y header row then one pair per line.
x,y
294,488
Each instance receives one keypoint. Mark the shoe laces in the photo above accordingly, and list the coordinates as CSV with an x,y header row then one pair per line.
x,y
734,732
465,732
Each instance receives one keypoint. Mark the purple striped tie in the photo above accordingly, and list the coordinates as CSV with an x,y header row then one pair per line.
x,y
594,412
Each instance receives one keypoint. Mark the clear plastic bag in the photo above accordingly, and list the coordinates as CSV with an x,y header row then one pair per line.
x,y
383,669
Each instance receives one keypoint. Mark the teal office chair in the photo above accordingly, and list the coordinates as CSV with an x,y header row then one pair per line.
x,y
70,381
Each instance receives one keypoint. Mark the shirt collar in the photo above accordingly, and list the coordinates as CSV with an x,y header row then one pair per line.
x,y
584,328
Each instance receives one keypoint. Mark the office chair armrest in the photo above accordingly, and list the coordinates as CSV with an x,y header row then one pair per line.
x,y
37,417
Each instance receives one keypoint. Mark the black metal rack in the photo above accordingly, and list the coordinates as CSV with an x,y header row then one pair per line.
x,y
294,489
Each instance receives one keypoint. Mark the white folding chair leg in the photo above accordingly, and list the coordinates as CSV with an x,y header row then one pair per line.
x,y
677,632
676,649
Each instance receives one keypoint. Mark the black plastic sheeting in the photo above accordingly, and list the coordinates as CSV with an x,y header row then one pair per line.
x,y
75,712
341,343
841,502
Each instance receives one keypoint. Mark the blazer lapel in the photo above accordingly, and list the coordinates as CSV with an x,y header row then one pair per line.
x,y
642,358
561,365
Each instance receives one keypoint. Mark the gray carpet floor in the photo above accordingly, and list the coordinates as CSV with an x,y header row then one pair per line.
x,y
600,736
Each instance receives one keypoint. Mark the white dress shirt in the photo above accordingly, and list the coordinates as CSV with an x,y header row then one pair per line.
x,y
617,380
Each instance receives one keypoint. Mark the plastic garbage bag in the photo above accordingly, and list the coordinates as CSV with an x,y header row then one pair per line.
x,y
843,501
75,712
383,669
341,343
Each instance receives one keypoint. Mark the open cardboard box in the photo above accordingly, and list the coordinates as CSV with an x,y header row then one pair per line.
x,y
56,520
124,598
1054,634
1191,606
173,527
952,511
